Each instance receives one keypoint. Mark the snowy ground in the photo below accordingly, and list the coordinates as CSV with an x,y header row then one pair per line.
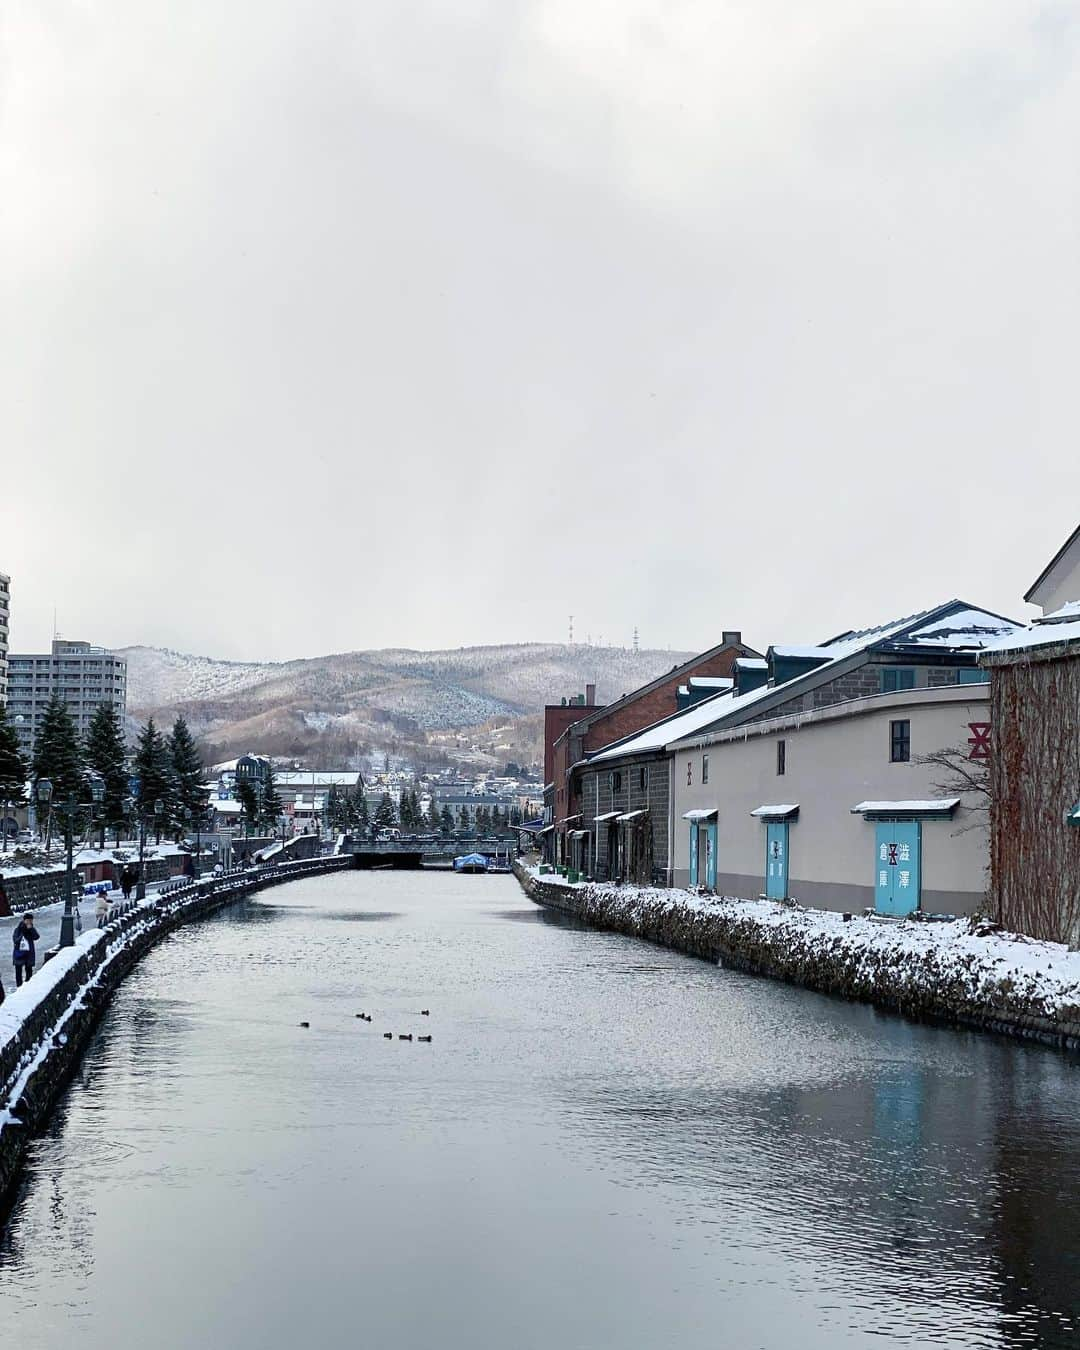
x,y
1003,971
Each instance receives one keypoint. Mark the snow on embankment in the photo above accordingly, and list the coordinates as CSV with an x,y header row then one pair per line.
x,y
44,1025
959,972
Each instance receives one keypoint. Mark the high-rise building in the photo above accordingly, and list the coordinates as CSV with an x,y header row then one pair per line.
x,y
82,675
5,624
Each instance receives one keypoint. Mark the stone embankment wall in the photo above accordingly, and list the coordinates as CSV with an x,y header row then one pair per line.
x,y
45,1024
951,973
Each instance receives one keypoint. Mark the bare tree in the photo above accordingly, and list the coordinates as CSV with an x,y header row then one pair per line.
x,y
960,776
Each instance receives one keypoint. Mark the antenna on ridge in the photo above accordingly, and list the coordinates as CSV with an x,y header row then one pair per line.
x,y
635,640
571,630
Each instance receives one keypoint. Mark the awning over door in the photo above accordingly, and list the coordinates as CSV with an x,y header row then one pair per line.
x,y
934,808
608,815
579,834
786,811
700,815
632,815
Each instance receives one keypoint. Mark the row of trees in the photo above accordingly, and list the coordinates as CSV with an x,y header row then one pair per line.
x,y
168,767
350,811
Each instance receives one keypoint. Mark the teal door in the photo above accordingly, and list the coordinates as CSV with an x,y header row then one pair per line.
x,y
710,855
897,867
776,859
693,853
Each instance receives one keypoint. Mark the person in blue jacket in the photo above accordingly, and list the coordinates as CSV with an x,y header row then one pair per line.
x,y
23,953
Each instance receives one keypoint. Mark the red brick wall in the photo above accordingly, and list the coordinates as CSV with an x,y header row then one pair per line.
x,y
557,717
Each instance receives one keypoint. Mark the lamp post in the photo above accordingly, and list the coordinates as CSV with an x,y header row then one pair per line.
x,y
69,809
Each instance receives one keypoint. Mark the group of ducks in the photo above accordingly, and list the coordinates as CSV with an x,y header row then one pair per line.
x,y
389,1035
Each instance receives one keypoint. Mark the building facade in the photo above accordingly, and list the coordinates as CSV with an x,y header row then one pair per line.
x,y
1035,778
1058,584
83,676
838,808
5,625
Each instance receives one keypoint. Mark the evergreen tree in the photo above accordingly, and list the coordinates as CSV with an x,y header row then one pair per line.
x,y
482,818
271,800
363,818
57,756
187,772
13,771
405,811
106,753
496,819
463,818
433,816
446,820
153,765
414,810
249,801
384,812
515,815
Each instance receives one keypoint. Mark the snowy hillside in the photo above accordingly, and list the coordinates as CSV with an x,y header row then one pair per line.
x,y
378,697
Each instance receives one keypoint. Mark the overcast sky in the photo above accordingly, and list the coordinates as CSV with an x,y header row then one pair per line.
x,y
336,325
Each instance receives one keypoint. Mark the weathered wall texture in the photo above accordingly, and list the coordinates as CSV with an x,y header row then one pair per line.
x,y
1035,777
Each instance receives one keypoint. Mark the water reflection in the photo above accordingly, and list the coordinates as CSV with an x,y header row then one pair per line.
x,y
604,1145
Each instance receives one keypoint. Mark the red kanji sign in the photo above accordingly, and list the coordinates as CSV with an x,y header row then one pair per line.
x,y
979,740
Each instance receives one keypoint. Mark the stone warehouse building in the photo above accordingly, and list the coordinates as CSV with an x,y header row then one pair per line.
x,y
877,698
83,676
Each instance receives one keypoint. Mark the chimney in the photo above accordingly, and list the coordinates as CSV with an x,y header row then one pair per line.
x,y
732,637
590,695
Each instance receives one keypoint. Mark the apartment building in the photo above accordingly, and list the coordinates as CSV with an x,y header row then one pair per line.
x,y
5,624
83,676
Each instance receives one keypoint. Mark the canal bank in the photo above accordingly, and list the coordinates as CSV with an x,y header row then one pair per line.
x,y
959,973
45,1024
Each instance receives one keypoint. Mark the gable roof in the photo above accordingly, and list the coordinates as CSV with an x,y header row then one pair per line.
x,y
676,672
954,626
1051,565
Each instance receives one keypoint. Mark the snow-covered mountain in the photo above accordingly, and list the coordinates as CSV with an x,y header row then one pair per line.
x,y
379,698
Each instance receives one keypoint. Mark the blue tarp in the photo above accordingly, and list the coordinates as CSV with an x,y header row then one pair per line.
x,y
471,860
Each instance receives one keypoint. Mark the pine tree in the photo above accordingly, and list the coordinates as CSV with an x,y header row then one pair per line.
x,y
417,818
153,765
57,756
271,800
463,818
496,819
13,771
106,753
249,801
187,772
384,812
363,818
446,820
433,816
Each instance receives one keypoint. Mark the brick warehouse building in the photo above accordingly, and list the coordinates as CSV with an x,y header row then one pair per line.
x,y
597,726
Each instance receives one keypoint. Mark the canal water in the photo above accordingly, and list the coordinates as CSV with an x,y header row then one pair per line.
x,y
604,1145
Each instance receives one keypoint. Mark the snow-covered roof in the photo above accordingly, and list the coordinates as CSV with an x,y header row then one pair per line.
x,y
711,681
1058,629
932,806
751,663
969,628
803,653
782,812
227,808
700,814
303,777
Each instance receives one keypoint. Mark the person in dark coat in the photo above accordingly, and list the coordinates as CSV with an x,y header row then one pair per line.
x,y
24,954
127,881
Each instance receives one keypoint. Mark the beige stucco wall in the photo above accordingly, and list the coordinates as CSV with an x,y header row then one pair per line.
x,y
835,759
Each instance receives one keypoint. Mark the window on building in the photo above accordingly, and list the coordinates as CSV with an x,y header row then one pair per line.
x,y
643,778
895,678
900,742
615,780
781,757
704,769
972,676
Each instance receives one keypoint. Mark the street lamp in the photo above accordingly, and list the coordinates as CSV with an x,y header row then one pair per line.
x,y
68,810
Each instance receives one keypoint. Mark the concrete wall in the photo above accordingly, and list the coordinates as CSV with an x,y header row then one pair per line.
x,y
834,759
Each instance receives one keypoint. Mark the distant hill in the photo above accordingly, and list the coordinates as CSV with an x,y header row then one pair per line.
x,y
473,702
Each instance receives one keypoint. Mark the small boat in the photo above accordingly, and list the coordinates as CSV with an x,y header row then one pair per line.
x,y
471,862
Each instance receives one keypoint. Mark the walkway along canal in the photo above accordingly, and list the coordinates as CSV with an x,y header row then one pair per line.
x,y
605,1144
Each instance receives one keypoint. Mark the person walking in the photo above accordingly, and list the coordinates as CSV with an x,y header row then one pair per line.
x,y
126,882
23,953
101,909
